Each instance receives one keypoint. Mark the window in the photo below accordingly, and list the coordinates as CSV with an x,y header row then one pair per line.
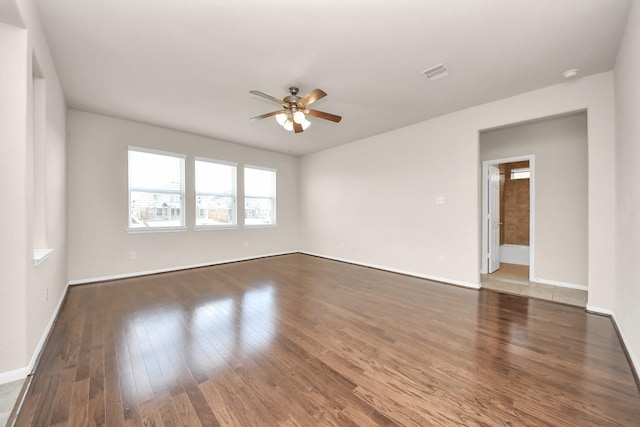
x,y
520,173
259,196
215,193
156,189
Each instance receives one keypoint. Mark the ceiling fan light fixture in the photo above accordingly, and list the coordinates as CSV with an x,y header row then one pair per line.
x,y
293,112
281,118
299,117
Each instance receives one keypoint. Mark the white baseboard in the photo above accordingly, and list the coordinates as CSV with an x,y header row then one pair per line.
x,y
598,310
395,270
561,284
47,330
634,359
170,269
14,375
21,373
635,362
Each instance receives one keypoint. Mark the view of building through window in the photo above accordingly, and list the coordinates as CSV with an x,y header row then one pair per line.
x,y
215,193
156,189
157,192
259,196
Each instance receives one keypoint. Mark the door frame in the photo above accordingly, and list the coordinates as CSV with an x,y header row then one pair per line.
x,y
485,229
493,213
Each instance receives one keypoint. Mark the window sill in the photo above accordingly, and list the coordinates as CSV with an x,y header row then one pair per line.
x,y
155,230
260,225
39,255
214,227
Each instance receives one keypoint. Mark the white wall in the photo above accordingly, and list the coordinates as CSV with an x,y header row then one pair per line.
x,y
373,201
25,312
99,244
13,223
627,90
559,145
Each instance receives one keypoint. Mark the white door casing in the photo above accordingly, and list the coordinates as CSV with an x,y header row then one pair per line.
x,y
485,224
493,218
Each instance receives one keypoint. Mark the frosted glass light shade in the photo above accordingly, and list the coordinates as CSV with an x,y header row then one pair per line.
x,y
298,117
288,125
305,124
281,118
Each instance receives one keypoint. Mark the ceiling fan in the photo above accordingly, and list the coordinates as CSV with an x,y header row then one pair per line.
x,y
294,110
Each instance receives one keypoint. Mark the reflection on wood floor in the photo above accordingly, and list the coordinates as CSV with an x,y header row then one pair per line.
x,y
514,279
300,340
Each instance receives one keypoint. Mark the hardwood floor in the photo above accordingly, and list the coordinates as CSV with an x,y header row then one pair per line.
x,y
299,340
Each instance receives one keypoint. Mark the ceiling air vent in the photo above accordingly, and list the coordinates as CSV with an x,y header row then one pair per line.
x,y
436,73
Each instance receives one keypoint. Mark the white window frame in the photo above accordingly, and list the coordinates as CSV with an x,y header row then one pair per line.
x,y
180,192
520,173
234,223
273,222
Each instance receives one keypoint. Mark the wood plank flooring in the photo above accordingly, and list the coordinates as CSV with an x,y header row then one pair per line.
x,y
299,340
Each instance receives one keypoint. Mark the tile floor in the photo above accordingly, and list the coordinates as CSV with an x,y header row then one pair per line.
x,y
514,279
8,396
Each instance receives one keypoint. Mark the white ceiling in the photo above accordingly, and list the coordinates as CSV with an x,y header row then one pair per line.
x,y
190,64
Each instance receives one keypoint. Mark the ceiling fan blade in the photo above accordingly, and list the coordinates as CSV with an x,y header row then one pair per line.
x,y
264,116
323,115
268,97
297,127
312,97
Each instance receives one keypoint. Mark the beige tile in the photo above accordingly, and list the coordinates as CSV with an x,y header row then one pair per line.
x,y
570,296
513,279
538,290
568,291
496,285
8,396
512,272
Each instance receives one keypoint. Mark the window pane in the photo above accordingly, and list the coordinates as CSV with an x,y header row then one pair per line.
x,y
148,170
156,190
215,210
215,193
155,209
522,173
258,211
215,178
259,196
259,183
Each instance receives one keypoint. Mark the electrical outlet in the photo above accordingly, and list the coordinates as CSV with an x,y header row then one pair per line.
x,y
246,244
342,244
440,200
132,255
441,259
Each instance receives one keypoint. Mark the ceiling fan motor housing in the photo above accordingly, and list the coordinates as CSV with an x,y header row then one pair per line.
x,y
293,98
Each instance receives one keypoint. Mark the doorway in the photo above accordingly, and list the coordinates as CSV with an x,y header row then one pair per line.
x,y
508,200
508,206
556,148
